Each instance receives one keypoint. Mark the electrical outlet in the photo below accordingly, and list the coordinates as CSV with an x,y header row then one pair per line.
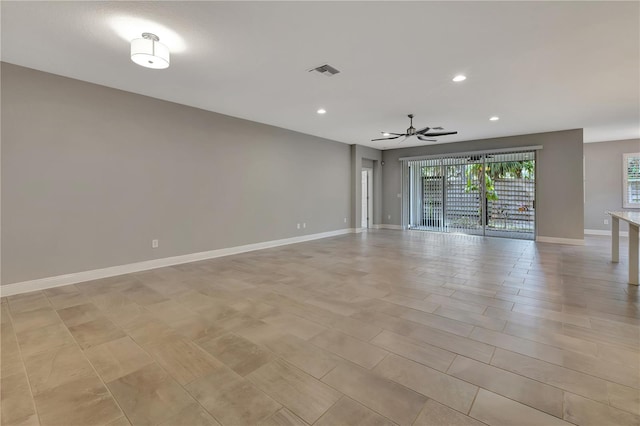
x,y
389,217
298,226
345,220
399,195
155,244
304,224
606,221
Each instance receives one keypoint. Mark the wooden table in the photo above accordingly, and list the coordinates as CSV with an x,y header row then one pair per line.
x,y
633,219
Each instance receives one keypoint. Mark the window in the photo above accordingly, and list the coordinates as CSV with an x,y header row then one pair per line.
x,y
631,180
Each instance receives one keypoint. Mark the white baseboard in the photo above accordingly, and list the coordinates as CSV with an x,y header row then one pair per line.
x,y
383,226
555,240
96,274
388,226
604,232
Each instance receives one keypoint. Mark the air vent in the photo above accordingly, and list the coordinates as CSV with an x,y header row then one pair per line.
x,y
325,69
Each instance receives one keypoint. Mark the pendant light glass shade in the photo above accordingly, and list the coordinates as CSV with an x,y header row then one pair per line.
x,y
149,52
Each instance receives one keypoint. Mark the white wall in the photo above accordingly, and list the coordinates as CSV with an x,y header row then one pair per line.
x,y
603,181
90,175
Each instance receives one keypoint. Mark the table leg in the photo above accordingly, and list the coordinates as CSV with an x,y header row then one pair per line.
x,y
633,254
615,239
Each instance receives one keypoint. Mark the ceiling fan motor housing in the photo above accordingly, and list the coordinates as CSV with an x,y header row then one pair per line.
x,y
411,130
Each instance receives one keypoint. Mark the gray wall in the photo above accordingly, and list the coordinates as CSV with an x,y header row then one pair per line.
x,y
363,156
559,204
90,175
603,181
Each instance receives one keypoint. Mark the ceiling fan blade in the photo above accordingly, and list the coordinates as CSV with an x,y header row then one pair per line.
x,y
440,134
397,134
385,139
421,131
438,128
405,138
426,140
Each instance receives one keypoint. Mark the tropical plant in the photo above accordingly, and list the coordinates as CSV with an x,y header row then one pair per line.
x,y
474,174
497,170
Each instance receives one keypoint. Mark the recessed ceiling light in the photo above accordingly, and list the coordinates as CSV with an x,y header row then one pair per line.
x,y
458,78
494,118
385,133
322,111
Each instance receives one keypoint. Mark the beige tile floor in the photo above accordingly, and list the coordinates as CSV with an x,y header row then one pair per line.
x,y
379,328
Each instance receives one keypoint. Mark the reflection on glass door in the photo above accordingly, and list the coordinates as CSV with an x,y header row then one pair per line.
x,y
487,194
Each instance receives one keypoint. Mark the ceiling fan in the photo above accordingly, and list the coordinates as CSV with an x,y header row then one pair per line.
x,y
420,134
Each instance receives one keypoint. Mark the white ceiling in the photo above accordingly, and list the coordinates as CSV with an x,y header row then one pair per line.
x,y
540,66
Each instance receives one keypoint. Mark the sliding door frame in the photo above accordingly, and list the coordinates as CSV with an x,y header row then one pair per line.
x,y
407,186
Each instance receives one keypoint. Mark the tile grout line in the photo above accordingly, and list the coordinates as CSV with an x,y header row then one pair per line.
x,y
559,388
382,330
138,344
473,402
362,403
89,362
526,378
24,367
328,409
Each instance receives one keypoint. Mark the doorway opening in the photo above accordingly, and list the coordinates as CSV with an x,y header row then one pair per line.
x,y
490,194
367,198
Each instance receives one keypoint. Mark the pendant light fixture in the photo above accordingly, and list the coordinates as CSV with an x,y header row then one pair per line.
x,y
149,52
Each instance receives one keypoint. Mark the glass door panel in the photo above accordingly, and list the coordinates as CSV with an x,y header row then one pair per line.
x,y
426,192
510,188
463,207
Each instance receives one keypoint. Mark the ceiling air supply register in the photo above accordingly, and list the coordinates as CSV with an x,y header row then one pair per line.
x,y
326,70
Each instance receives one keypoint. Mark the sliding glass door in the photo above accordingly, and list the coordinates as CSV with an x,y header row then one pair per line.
x,y
481,194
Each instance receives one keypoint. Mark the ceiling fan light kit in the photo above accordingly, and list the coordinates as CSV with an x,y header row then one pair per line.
x,y
421,134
